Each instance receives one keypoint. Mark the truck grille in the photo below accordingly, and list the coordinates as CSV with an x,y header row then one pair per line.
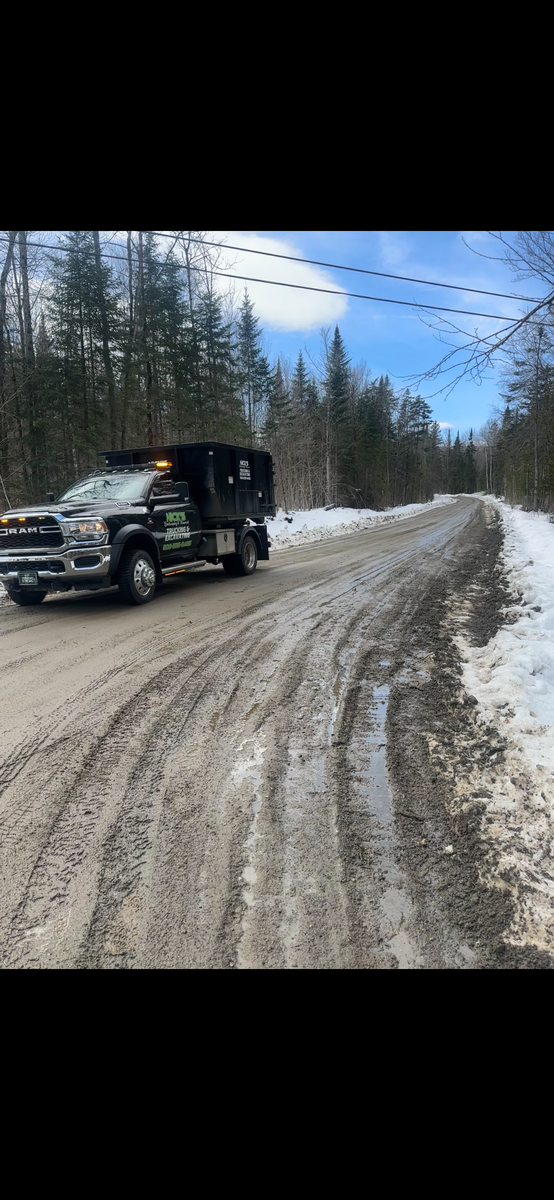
x,y
56,567
22,537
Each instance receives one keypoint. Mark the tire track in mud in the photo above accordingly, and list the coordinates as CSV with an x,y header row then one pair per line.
x,y
114,763
204,821
65,830
296,913
38,743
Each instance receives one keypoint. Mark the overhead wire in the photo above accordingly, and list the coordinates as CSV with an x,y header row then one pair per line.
x,y
297,286
457,287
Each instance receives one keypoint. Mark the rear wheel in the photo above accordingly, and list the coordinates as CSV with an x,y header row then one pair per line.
x,y
229,564
137,577
248,556
25,598
245,562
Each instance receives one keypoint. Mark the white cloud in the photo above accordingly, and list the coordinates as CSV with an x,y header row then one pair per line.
x,y
445,425
282,308
394,247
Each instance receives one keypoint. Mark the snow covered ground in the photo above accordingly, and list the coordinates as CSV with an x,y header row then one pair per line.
x,y
514,673
512,677
297,528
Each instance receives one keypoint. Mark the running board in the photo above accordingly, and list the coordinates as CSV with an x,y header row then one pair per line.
x,y
180,568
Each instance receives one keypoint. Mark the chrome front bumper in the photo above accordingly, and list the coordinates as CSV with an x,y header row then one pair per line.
x,y
71,572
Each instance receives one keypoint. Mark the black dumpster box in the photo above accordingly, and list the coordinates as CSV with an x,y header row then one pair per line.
x,y
227,483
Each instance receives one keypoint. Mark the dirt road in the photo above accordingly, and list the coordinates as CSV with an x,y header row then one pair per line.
x,y
201,783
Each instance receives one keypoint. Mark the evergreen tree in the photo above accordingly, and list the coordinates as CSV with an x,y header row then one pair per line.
x,y
448,463
145,353
457,466
254,370
336,395
279,413
221,416
470,467
300,383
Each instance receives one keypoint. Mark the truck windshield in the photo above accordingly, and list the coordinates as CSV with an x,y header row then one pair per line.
x,y
109,487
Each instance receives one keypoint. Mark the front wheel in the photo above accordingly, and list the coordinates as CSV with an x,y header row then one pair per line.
x,y
137,577
25,598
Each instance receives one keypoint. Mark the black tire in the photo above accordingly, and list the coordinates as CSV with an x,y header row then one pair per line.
x,y
244,563
230,564
248,557
136,577
25,598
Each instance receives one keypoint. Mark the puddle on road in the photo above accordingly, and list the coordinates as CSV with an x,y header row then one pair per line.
x,y
377,787
373,784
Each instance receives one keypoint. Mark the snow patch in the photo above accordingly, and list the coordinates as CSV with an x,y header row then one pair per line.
x,y
318,524
512,678
513,675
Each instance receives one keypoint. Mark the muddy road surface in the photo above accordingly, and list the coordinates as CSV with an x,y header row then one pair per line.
x,y
255,773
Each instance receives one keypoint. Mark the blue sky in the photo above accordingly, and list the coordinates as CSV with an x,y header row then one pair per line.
x,y
391,340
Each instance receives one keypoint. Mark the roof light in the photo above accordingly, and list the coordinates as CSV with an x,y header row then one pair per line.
x,y
164,464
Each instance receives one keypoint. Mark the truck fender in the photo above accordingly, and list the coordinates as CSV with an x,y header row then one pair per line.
x,y
259,533
120,541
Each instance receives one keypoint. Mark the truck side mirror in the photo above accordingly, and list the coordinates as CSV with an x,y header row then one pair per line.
x,y
49,497
183,490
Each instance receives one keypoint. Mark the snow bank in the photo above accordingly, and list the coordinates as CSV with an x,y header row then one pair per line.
x,y
515,671
317,524
294,529
513,680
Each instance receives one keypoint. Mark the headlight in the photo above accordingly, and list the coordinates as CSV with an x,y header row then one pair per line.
x,y
89,530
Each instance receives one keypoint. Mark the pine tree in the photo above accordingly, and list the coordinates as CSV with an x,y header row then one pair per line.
x,y
457,466
336,394
448,463
434,459
279,413
300,383
221,414
470,467
254,370
75,323
278,434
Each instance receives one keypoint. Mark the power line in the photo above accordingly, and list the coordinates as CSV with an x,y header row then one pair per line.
x,y
296,286
314,262
304,287
69,250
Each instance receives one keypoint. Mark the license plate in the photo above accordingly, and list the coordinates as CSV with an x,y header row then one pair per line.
x,y
27,578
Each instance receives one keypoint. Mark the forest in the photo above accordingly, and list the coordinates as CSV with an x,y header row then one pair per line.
x,y
108,343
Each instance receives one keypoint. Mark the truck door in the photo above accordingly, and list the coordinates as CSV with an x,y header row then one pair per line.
x,y
248,500
177,526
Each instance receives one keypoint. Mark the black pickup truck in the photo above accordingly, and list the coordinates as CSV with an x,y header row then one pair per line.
x,y
145,516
